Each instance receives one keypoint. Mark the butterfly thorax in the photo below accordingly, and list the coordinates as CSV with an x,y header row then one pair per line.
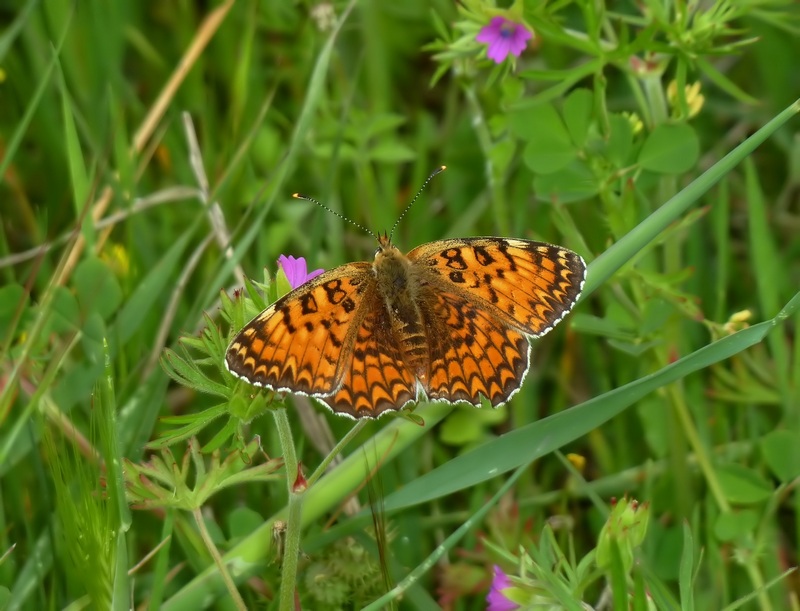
x,y
399,288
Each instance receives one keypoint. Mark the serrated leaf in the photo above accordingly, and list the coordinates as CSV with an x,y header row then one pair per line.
x,y
187,373
194,423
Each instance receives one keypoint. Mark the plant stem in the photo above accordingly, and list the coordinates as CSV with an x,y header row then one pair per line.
x,y
294,520
223,570
494,174
336,451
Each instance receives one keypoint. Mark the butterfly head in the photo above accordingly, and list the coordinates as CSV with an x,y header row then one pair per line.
x,y
384,243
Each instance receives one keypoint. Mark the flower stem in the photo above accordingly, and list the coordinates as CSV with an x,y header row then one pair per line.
x,y
336,451
223,570
294,520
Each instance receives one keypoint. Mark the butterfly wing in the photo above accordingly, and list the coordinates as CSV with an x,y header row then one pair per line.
x,y
376,378
472,352
529,285
301,342
489,293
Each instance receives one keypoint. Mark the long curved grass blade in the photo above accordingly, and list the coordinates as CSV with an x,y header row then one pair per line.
x,y
542,437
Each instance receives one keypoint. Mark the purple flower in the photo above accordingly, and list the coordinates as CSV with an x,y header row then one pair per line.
x,y
502,37
296,270
496,600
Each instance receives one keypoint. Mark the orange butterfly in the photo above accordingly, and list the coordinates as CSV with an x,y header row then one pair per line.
x,y
450,320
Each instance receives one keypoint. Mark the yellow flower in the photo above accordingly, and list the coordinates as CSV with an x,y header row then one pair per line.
x,y
694,99
117,258
577,461
635,121
737,321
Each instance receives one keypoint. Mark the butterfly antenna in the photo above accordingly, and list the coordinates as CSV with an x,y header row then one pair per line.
x,y
341,216
438,170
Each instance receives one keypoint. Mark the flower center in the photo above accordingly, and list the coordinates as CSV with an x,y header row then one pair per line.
x,y
507,30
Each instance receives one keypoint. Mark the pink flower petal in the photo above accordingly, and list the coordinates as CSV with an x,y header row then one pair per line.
x,y
496,600
296,270
503,37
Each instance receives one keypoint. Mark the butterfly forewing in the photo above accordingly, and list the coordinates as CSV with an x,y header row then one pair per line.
x,y
530,285
297,343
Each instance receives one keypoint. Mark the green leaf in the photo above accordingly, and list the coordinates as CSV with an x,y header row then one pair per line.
x,y
77,168
392,152
460,429
383,123
242,521
670,149
578,115
194,424
686,569
185,371
96,288
723,82
66,315
574,183
12,297
549,147
742,485
782,454
734,525
620,140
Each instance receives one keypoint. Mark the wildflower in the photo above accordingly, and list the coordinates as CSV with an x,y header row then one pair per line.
x,y
577,461
296,270
496,599
635,121
694,99
502,37
117,259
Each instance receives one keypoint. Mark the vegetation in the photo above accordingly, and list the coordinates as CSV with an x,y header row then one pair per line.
x,y
148,157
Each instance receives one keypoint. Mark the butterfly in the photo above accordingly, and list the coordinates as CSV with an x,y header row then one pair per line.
x,y
449,321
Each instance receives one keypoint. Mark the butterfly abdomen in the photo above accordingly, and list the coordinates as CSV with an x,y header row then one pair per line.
x,y
399,290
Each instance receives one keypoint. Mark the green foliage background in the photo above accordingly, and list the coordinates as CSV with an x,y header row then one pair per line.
x,y
148,153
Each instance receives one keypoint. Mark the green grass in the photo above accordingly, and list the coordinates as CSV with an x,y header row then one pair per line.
x,y
148,155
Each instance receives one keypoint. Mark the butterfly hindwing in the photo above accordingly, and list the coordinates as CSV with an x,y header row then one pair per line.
x,y
375,377
472,353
